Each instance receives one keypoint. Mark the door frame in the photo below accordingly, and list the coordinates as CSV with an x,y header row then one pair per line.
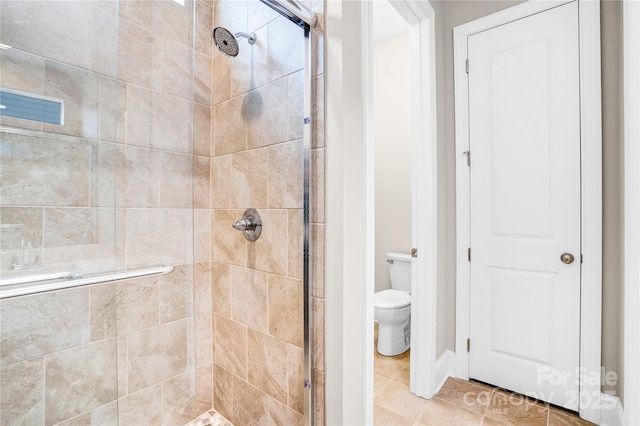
x,y
420,18
631,16
591,189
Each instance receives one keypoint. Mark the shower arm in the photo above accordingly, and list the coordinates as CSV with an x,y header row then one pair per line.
x,y
251,38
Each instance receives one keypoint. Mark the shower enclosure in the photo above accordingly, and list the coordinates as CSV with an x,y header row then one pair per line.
x,y
128,147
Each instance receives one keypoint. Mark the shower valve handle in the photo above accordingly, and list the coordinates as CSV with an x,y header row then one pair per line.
x,y
250,224
245,224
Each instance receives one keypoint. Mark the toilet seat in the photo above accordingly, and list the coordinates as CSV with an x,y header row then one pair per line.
x,y
391,299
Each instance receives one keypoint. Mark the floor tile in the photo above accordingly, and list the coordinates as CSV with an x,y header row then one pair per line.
x,y
403,376
515,409
379,382
440,412
384,417
464,394
397,398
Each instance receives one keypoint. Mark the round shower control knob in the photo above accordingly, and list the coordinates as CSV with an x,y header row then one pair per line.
x,y
250,224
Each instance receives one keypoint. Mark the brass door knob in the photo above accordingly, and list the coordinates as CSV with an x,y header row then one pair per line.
x,y
567,258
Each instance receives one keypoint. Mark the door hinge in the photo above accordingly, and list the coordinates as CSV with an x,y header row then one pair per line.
x,y
468,154
414,252
469,254
581,259
468,345
467,66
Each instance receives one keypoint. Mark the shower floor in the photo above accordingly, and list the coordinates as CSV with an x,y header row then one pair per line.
x,y
210,418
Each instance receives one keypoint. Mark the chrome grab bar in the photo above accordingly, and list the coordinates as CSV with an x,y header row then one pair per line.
x,y
76,279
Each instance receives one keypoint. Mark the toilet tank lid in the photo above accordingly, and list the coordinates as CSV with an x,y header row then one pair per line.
x,y
400,257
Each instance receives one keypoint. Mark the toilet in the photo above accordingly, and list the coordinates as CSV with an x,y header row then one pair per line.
x,y
392,308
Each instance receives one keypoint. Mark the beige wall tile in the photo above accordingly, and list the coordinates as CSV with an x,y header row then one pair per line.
x,y
317,119
176,68
77,226
112,105
202,190
220,78
137,303
139,54
203,26
202,235
122,364
267,362
16,30
318,320
240,180
79,380
221,288
286,309
223,391
295,243
179,403
170,123
228,245
317,63
54,173
229,127
202,130
286,175
249,297
264,112
159,236
22,396
259,14
142,408
249,69
156,354
283,40
103,416
270,252
20,224
317,261
317,185
204,386
280,414
163,17
138,179
21,70
176,294
230,339
295,90
231,14
295,376
177,179
104,55
319,389
42,324
202,287
139,115
103,311
203,339
202,78
250,405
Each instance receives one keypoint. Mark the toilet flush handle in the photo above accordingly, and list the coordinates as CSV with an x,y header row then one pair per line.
x,y
390,261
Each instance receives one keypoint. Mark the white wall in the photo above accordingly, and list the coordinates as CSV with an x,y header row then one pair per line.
x,y
392,151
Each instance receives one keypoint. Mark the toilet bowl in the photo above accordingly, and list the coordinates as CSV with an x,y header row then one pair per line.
x,y
392,308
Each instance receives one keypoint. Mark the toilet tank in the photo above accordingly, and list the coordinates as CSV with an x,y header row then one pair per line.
x,y
400,270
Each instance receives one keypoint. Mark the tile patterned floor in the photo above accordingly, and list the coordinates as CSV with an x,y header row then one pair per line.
x,y
457,403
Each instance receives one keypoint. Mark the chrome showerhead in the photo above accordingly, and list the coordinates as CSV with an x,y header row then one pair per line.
x,y
227,43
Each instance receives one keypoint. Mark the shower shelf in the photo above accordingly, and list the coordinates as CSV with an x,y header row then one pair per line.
x,y
31,284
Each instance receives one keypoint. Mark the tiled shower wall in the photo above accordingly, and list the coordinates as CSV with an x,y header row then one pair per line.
x,y
256,161
113,187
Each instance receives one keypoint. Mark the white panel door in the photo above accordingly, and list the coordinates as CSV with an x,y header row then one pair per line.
x,y
524,117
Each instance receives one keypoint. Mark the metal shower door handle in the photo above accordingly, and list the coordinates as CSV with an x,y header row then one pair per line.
x,y
567,258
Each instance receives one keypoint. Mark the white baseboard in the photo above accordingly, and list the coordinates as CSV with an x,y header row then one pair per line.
x,y
445,368
612,412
